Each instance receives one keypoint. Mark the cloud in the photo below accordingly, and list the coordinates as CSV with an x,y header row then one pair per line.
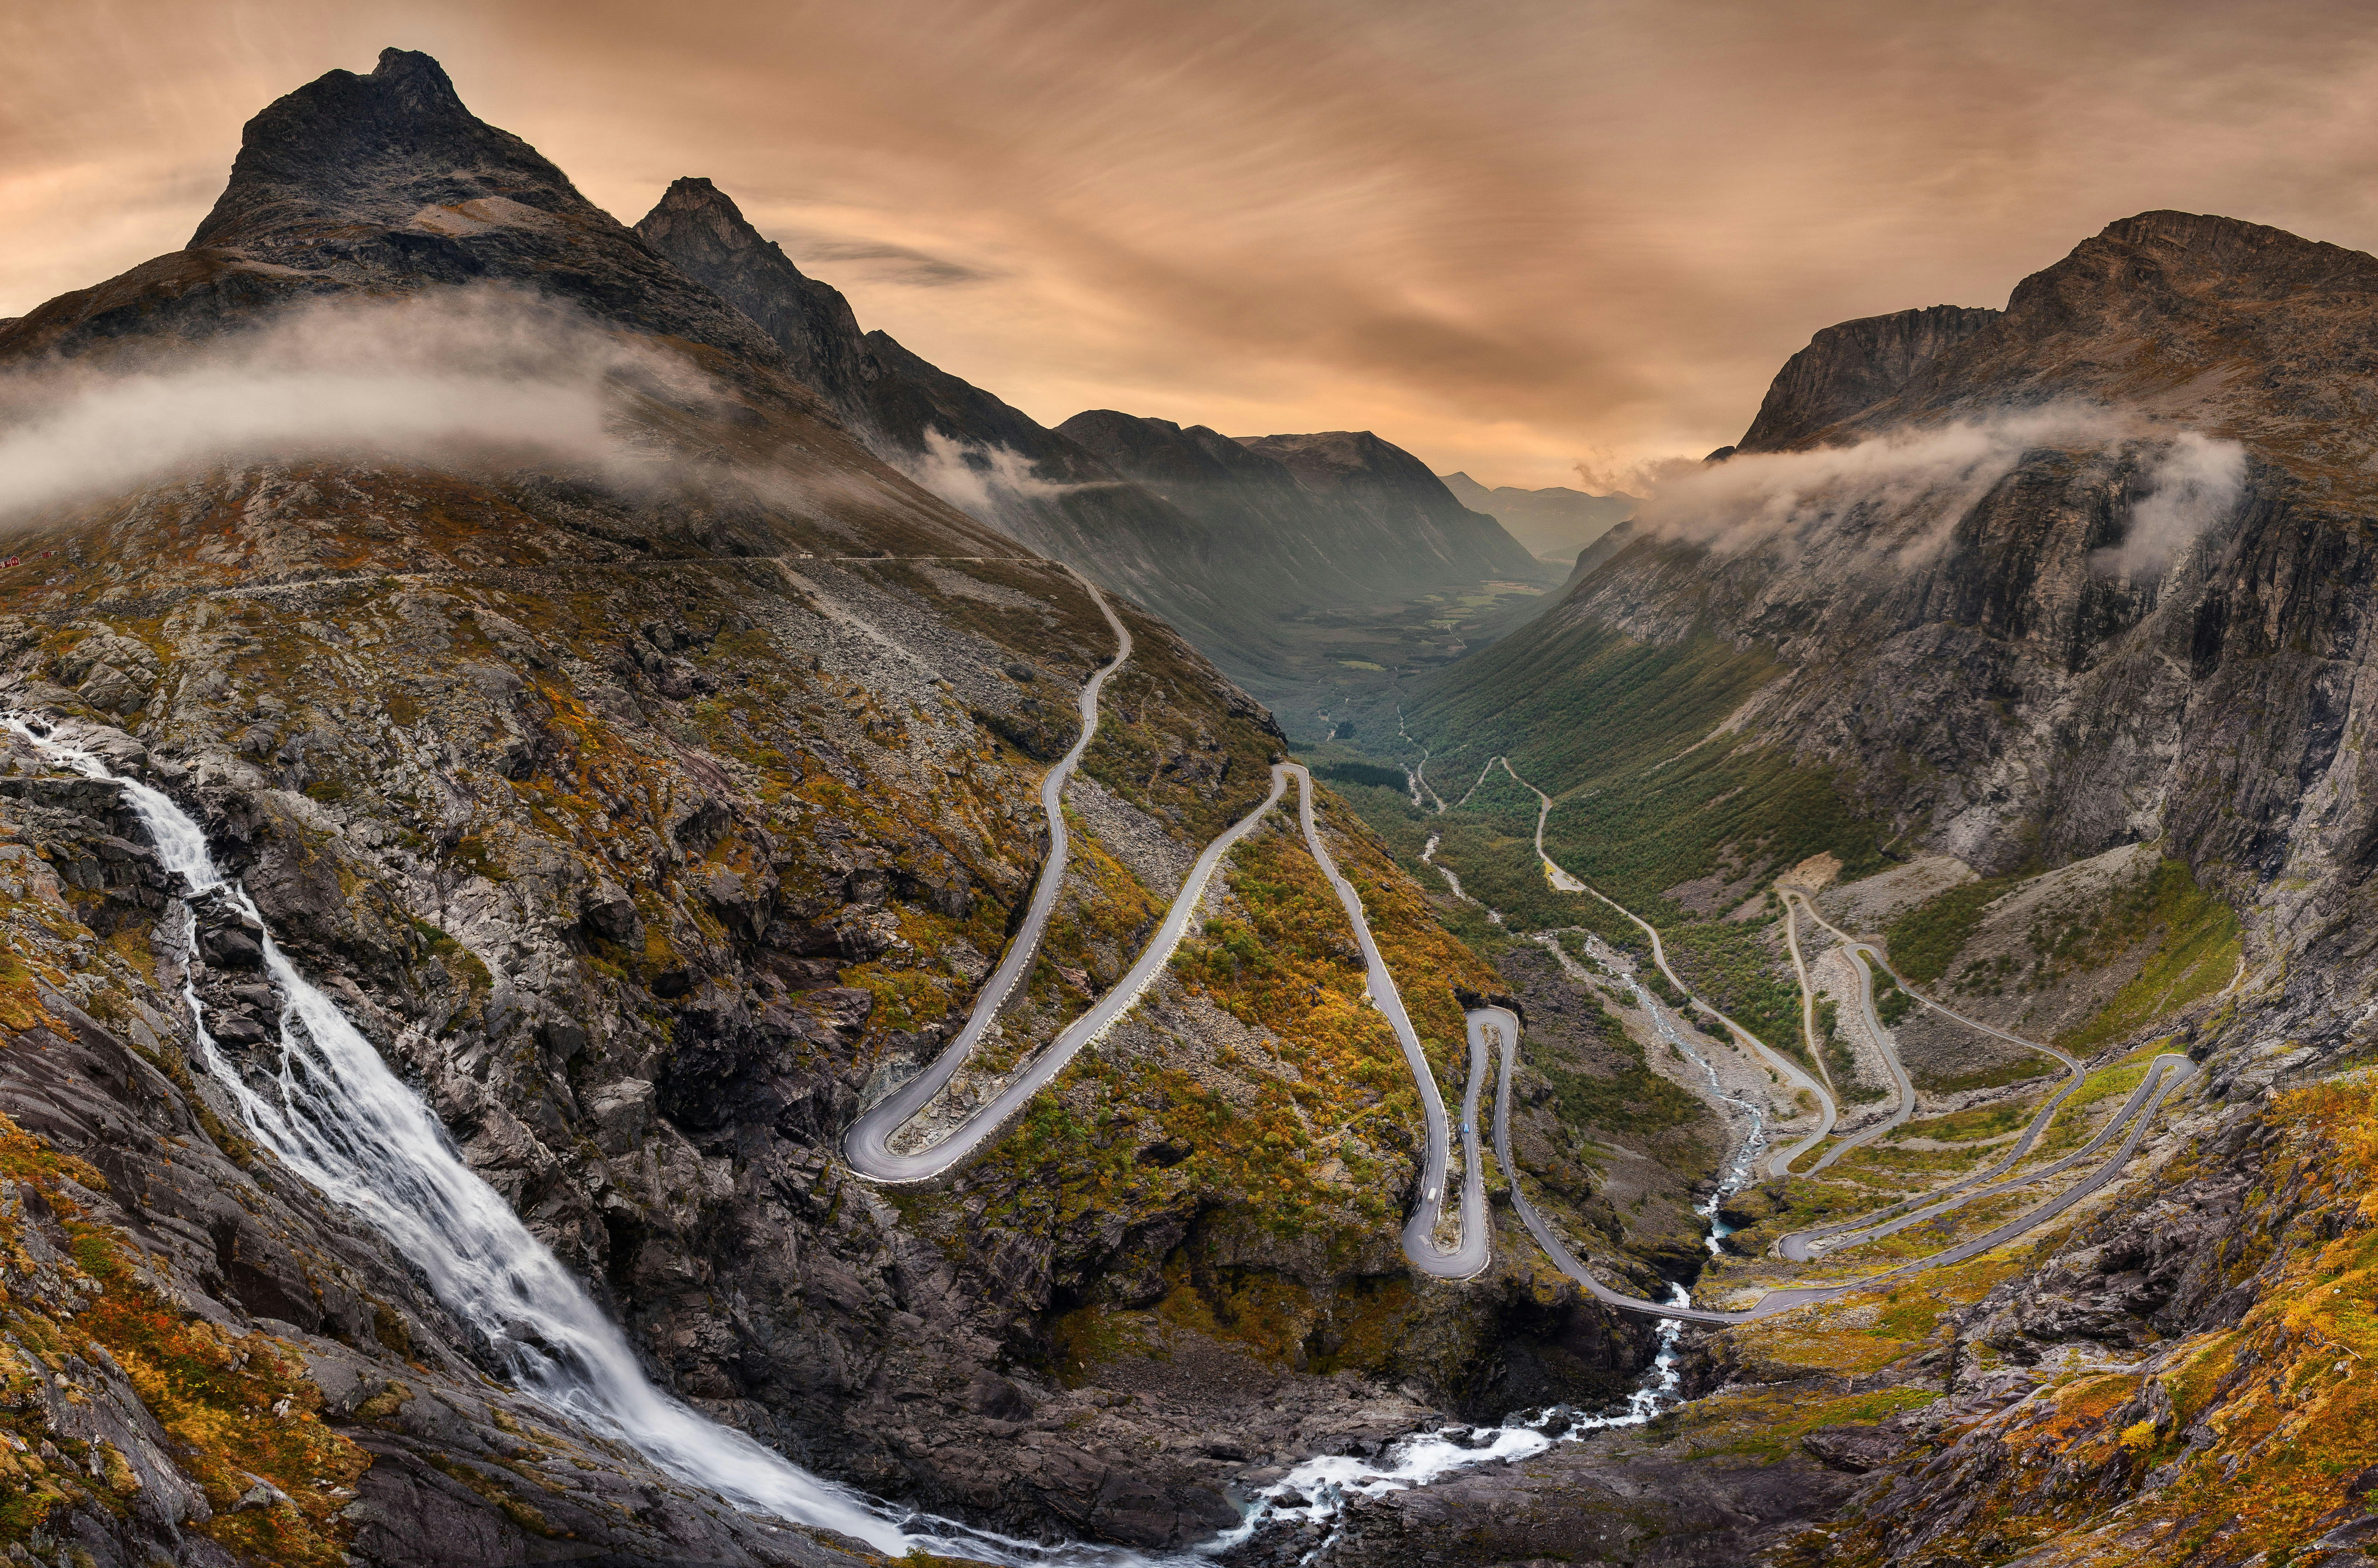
x,y
1499,235
468,376
2194,486
985,482
886,262
1602,474
1896,498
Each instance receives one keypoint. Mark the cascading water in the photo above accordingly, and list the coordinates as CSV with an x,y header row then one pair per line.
x,y
1738,1175
1317,1490
337,1116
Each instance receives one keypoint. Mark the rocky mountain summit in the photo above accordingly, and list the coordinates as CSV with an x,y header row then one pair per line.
x,y
1849,368
648,801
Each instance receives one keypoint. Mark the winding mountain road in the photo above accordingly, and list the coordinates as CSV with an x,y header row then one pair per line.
x,y
2138,1113
867,1143
1468,1259
1864,953
1793,900
1789,1072
1502,1027
1802,1245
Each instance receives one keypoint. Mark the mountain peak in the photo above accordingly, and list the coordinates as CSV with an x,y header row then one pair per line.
x,y
694,198
2161,261
1327,461
388,181
409,70
700,229
1851,367
378,149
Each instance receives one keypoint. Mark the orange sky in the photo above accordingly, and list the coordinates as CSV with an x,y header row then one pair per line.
x,y
1510,236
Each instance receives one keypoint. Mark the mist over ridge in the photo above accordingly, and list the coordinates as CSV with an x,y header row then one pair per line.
x,y
475,377
640,925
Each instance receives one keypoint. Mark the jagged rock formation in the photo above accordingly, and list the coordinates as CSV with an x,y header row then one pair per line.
x,y
1555,523
381,180
1850,368
704,236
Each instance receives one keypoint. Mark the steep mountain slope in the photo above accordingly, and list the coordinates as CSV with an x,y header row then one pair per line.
x,y
1333,536
2081,584
974,449
1851,367
1555,523
647,772
1402,500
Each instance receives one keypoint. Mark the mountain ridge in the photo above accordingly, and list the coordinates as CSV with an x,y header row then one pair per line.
x,y
1305,541
2090,581
647,810
1555,523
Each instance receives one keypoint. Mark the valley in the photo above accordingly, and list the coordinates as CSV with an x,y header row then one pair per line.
x,y
686,940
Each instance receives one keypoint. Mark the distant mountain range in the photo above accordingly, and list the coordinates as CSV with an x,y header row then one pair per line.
x,y
1554,523
1221,537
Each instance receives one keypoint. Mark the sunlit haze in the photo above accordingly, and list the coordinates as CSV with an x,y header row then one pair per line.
x,y
1514,238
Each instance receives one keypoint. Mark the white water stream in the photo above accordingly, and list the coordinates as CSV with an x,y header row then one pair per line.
x,y
1318,1490
1738,1175
338,1118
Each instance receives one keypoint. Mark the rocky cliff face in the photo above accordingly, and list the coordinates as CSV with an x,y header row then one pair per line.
x,y
2021,589
650,812
1849,368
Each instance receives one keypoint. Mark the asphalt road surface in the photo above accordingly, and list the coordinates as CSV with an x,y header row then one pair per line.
x,y
1470,1257
1789,1072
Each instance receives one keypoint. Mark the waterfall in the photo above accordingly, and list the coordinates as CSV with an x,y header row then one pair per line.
x,y
339,1119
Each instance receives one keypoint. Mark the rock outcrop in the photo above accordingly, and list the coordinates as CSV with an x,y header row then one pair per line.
x,y
704,236
1849,368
